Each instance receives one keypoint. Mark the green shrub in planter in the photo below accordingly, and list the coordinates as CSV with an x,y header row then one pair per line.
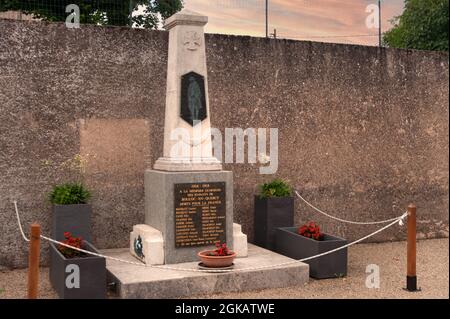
x,y
274,207
276,188
69,194
71,212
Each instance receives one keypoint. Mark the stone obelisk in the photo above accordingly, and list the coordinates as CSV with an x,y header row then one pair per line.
x,y
187,126
188,197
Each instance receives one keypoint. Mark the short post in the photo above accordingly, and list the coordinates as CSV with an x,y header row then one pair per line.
x,y
33,261
411,278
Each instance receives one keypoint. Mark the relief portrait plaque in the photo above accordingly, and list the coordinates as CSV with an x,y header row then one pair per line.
x,y
200,214
193,98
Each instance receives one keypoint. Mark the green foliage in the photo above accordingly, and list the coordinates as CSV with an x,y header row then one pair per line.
x,y
69,194
423,26
276,188
101,12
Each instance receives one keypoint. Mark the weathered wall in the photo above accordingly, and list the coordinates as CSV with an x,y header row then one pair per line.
x,y
363,131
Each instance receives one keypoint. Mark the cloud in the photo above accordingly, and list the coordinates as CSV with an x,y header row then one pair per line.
x,y
317,20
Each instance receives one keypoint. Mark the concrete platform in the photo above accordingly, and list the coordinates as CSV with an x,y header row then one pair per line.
x,y
133,281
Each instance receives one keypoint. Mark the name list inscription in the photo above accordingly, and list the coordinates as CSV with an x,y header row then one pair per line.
x,y
200,214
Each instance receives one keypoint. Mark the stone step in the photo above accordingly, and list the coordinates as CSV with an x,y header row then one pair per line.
x,y
133,281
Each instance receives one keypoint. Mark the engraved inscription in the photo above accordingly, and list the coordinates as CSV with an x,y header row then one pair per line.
x,y
200,214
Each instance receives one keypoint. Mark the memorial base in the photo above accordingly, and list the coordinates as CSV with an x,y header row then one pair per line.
x,y
137,282
192,210
147,244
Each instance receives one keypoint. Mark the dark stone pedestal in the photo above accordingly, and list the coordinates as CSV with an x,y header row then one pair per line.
x,y
92,274
271,213
75,219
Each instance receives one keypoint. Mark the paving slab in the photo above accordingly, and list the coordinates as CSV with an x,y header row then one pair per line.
x,y
133,281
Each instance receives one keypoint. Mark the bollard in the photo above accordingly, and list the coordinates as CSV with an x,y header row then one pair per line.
x,y
33,261
411,277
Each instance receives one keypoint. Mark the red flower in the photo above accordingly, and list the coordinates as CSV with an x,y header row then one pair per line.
x,y
73,242
222,250
311,230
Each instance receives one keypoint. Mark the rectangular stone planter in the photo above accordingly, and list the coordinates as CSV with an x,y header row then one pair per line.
x,y
89,272
75,219
293,245
271,213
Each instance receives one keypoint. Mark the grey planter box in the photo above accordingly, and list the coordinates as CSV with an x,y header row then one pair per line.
x,y
92,274
75,219
293,245
271,213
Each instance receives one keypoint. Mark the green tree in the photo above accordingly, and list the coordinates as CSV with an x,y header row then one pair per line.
x,y
140,13
423,25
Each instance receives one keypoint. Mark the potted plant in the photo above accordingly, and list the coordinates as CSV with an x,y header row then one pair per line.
x,y
77,275
307,241
70,211
221,257
274,207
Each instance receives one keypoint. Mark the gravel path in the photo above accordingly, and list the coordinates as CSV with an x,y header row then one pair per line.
x,y
432,272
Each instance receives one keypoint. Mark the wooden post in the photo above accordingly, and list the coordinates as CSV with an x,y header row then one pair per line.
x,y
33,261
411,277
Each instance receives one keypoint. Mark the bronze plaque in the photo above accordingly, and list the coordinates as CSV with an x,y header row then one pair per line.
x,y
200,214
193,98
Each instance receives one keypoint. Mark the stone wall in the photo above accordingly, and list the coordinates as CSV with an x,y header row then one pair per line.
x,y
363,131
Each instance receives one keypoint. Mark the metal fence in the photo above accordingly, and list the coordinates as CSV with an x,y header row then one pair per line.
x,y
316,20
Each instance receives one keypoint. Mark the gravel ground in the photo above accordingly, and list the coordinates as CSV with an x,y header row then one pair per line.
x,y
432,272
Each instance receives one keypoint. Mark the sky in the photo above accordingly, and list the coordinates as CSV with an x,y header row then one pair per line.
x,y
317,20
